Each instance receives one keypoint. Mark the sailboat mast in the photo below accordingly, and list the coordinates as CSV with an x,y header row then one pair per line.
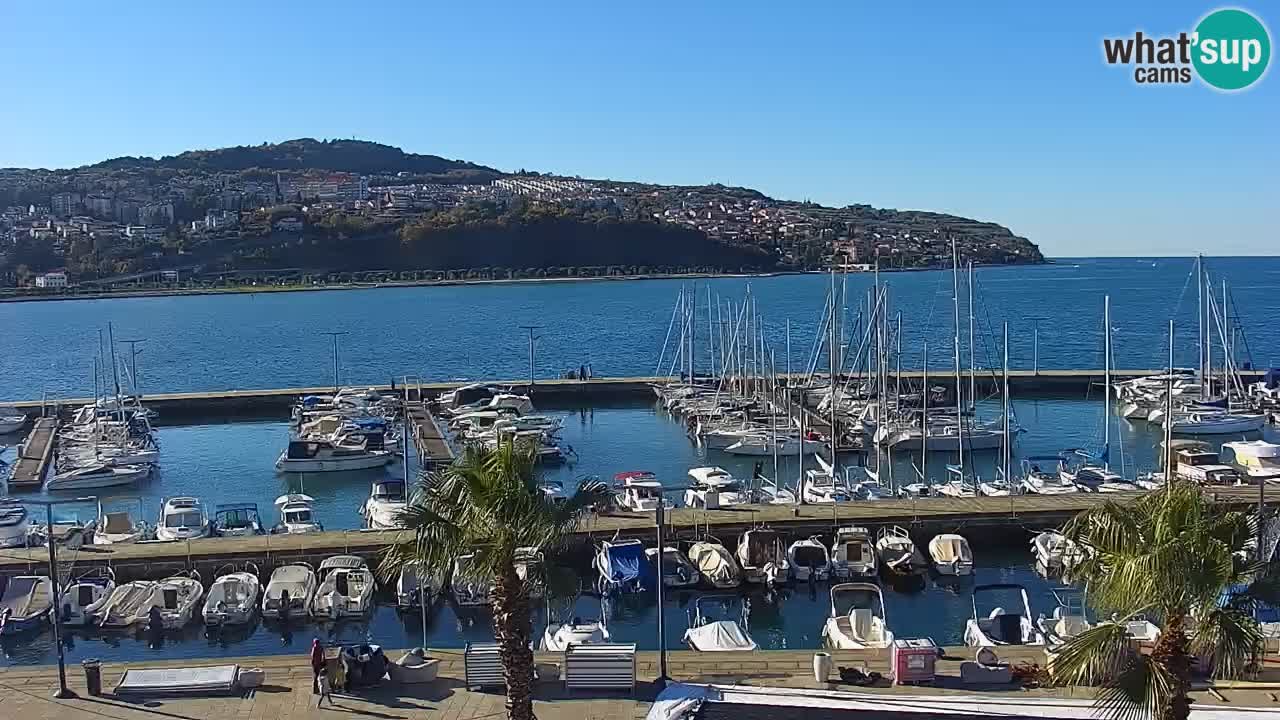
x,y
955,342
924,419
693,328
1106,382
897,368
1200,326
973,393
833,436
1006,450
115,369
711,337
1168,417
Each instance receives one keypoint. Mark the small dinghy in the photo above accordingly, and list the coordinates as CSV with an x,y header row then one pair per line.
x,y
1055,552
298,580
1068,618
622,567
900,559
809,560
233,597
1001,626
677,571
25,601
857,619
346,588
853,554
82,599
707,635
715,564
951,554
130,604
575,631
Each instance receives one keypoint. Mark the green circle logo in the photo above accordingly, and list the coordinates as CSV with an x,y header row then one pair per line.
x,y
1232,49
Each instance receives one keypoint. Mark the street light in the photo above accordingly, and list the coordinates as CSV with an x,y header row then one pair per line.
x,y
531,328
335,336
662,679
63,691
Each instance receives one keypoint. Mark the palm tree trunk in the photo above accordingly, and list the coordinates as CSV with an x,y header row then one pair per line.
x,y
512,627
1172,651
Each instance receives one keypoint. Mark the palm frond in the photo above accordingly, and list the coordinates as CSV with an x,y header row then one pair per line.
x,y
1093,656
1228,637
1142,690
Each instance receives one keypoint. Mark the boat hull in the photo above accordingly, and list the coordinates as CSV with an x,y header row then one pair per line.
x,y
364,462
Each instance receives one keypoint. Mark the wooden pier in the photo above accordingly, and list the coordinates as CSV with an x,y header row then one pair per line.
x,y
989,522
35,455
428,439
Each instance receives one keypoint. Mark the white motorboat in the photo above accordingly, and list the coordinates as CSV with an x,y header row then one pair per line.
x,y
559,636
85,595
715,564
289,591
236,520
385,505
182,518
297,515
25,603
1140,628
707,635
14,523
764,444
1055,552
822,488
176,599
809,560
622,567
1202,465
467,588
11,423
304,456
677,571
853,554
346,588
898,555
998,487
97,476
119,526
960,487
640,491
1258,460
770,493
714,488
763,557
1216,423
553,491
232,598
857,620
1043,482
1068,619
951,554
414,589
1001,626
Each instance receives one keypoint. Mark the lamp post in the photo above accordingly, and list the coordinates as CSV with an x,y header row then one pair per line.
x,y
63,691
1035,347
335,336
662,679
531,328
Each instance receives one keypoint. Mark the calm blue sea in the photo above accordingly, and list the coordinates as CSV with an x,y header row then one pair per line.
x,y
226,342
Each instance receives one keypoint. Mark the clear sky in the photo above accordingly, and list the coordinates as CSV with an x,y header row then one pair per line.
x,y
1002,111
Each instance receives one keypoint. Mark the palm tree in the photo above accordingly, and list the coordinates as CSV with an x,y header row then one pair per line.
x,y
488,503
1179,558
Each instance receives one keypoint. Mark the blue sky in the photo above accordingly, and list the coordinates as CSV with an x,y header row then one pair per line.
x,y
1006,113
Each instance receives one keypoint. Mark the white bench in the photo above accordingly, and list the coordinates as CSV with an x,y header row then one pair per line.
x,y
483,665
602,666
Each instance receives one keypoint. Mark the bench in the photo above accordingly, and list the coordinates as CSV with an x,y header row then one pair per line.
x,y
602,666
483,666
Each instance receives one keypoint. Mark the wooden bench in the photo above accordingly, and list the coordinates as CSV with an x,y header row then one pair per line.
x,y
603,666
483,666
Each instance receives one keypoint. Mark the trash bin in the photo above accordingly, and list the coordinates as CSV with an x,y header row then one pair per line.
x,y
93,676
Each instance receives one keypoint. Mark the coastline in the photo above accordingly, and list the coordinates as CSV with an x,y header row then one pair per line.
x,y
255,289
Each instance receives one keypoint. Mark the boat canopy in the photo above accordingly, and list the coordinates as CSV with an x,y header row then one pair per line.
x,y
712,476
342,562
293,498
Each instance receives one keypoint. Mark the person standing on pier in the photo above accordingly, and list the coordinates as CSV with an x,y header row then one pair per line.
x,y
317,664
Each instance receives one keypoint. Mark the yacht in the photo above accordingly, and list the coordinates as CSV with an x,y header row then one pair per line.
x,y
998,487
715,564
232,599
346,588
14,523
763,557
385,505
677,571
1002,626
1258,460
296,579
640,492
707,635
853,554
182,518
25,603
714,488
857,620
297,515
623,567
236,520
84,596
330,456
951,554
809,560
99,475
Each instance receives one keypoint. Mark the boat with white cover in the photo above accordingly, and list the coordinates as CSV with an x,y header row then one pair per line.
x,y
25,603
130,604
707,635
119,526
1002,626
809,560
85,595
297,515
677,571
11,423
385,504
853,554
715,564
714,488
233,598
622,567
640,491
763,557
299,581
857,620
1044,482
346,588
951,554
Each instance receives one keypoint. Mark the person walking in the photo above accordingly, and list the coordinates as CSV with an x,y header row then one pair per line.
x,y
326,687
317,664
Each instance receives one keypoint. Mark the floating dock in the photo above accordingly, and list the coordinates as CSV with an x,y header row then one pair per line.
x,y
432,446
991,522
35,455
